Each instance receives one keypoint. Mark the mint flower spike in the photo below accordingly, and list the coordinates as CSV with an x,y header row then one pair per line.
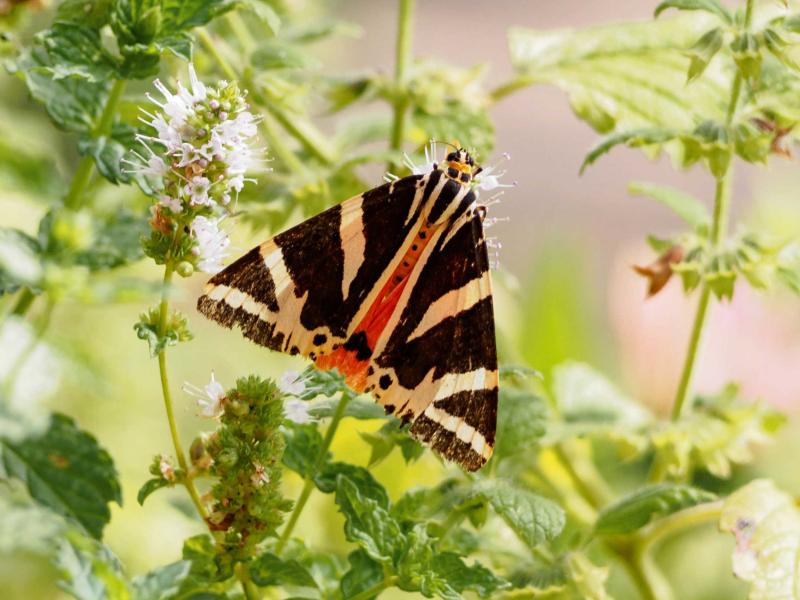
x,y
197,158
210,398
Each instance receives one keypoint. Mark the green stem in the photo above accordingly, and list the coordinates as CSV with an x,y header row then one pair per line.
x,y
241,32
251,592
74,197
508,88
403,55
304,132
375,589
658,530
308,485
269,114
23,303
165,390
719,226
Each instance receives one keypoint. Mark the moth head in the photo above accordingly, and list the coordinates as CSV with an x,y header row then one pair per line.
x,y
460,166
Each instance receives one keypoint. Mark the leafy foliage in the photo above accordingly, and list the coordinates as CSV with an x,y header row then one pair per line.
x,y
67,471
639,508
766,524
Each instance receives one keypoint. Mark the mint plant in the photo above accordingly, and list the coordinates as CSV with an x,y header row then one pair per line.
x,y
585,484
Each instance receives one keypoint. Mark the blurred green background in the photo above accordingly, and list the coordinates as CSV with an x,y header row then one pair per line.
x,y
565,290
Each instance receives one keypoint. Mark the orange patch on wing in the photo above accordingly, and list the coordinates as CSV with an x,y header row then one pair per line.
x,y
378,315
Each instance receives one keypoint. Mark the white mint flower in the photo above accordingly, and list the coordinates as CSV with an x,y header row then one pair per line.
x,y
197,191
210,398
489,178
166,468
212,243
296,411
259,476
174,204
291,384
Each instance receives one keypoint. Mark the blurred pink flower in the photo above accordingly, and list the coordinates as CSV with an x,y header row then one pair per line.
x,y
753,340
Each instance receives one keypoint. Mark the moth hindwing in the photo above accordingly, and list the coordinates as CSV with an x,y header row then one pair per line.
x,y
392,288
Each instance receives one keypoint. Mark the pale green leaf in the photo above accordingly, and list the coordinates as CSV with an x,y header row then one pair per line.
x,y
161,583
766,524
710,6
89,570
268,570
639,508
687,207
584,394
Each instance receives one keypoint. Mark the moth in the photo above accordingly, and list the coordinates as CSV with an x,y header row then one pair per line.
x,y
392,288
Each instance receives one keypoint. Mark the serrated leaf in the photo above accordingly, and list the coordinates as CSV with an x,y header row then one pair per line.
x,y
66,470
89,570
357,408
303,446
462,577
703,51
363,575
710,6
625,77
766,524
634,139
521,422
276,55
639,508
267,569
533,518
73,103
162,583
182,15
391,435
687,207
76,51
584,394
20,263
326,480
368,522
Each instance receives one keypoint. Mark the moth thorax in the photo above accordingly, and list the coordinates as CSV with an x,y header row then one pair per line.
x,y
460,166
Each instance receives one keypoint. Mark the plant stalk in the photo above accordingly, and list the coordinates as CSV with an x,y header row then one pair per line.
x,y
719,226
165,390
83,174
249,589
403,56
308,485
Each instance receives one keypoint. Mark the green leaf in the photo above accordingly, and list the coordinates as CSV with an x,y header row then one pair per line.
x,y
368,522
89,13
275,55
766,524
76,51
462,577
208,567
391,435
268,569
150,486
89,570
303,446
357,408
533,518
710,6
116,242
73,103
641,507
521,422
364,574
162,583
66,470
182,15
28,528
326,481
20,264
687,207
624,77
584,394
633,139
703,51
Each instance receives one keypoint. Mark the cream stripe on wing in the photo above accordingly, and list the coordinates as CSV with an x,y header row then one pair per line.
x,y
464,431
473,381
452,303
351,237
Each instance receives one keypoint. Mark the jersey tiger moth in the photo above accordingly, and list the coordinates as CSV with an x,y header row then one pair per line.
x,y
392,288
